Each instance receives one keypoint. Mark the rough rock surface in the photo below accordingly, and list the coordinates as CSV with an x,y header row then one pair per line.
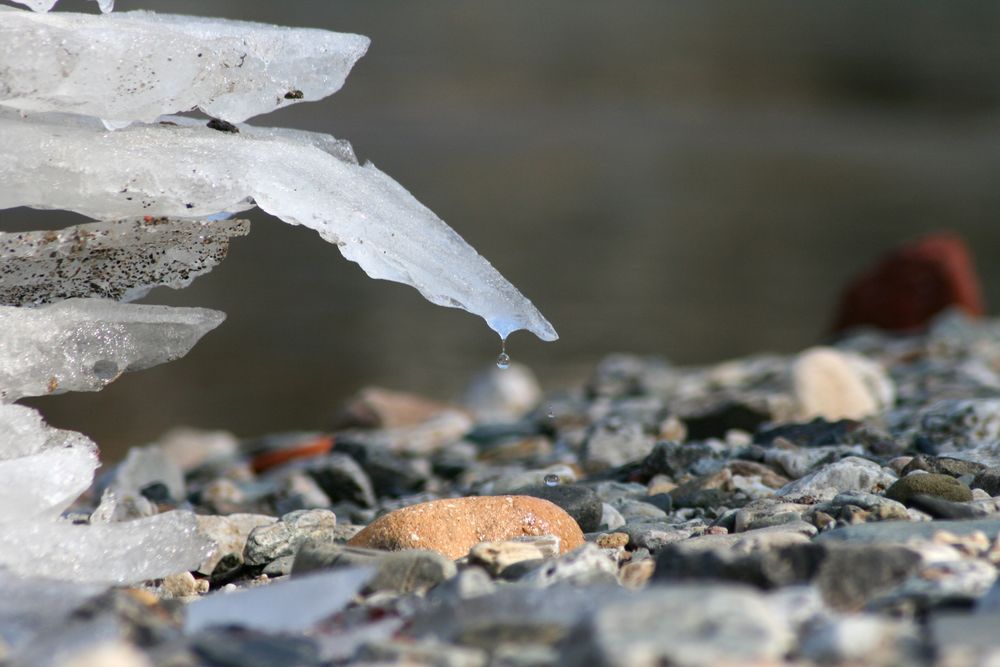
x,y
453,526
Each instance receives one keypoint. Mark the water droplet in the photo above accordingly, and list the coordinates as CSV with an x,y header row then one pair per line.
x,y
503,359
551,413
552,479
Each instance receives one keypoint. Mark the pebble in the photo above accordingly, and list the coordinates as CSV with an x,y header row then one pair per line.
x,y
847,475
282,538
681,625
612,444
502,395
834,385
989,481
495,557
884,295
453,526
230,535
586,565
928,484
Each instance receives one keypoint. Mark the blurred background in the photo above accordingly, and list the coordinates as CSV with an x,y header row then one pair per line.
x,y
695,180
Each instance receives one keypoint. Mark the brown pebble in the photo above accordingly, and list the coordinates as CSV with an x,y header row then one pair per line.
x,y
452,526
612,540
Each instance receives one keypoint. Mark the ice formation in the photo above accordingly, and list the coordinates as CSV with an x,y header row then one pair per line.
x,y
183,168
119,260
42,469
84,344
139,65
290,606
46,5
113,553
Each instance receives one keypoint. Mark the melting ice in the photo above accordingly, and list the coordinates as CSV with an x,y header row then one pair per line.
x,y
139,65
84,344
187,169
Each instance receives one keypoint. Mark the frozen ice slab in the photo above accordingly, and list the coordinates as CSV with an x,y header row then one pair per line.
x,y
292,605
140,65
119,260
46,5
42,469
186,169
115,553
84,344
35,609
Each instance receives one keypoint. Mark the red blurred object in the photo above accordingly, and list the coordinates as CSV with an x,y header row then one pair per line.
x,y
911,285
306,450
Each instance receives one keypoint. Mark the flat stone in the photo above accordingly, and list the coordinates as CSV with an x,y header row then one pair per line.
x,y
849,474
425,652
377,407
495,557
269,542
398,572
680,625
900,532
580,502
453,526
750,541
232,647
846,575
586,565
928,484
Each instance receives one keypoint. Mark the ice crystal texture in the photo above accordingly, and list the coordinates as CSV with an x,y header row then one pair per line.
x,y
139,65
84,344
42,469
113,553
289,606
187,169
119,260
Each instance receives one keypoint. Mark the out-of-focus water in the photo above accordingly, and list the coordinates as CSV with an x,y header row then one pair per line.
x,y
688,179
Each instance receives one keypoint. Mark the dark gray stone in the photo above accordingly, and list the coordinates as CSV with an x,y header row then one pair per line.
x,y
342,478
580,502
988,480
846,575
232,647
939,508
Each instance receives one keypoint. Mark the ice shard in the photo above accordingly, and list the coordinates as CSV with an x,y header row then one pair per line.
x,y
113,553
183,168
136,66
46,5
84,344
119,260
42,469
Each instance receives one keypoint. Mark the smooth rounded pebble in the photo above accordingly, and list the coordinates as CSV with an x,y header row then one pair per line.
x,y
452,526
928,484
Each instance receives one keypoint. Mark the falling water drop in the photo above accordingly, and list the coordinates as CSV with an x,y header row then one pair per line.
x,y
503,359
552,479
